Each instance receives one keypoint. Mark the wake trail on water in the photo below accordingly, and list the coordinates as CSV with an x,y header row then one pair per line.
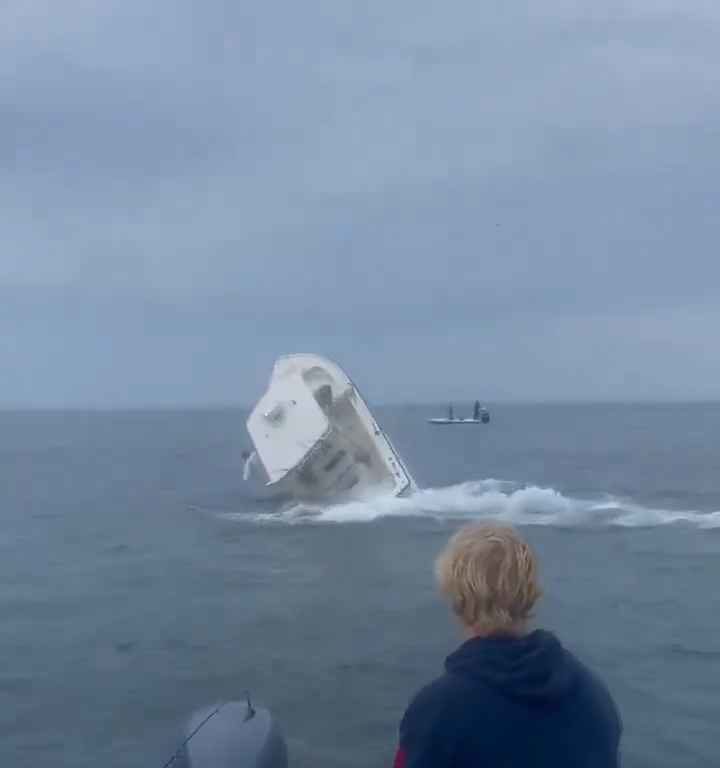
x,y
502,501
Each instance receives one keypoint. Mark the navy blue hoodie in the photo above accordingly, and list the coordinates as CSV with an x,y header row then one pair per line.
x,y
511,702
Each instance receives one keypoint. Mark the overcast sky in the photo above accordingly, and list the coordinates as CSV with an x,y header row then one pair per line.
x,y
503,200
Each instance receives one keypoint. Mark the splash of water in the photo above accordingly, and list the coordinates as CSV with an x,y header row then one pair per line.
x,y
499,500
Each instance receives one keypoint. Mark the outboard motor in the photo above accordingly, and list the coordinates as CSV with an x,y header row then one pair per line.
x,y
231,735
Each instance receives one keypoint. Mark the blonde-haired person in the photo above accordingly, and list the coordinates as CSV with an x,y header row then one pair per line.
x,y
510,696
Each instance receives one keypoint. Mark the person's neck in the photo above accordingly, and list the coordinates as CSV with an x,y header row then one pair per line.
x,y
512,632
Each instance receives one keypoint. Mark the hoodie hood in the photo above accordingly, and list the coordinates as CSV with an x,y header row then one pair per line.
x,y
534,667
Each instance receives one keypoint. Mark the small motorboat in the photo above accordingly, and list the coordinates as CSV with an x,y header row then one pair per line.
x,y
231,734
480,415
315,438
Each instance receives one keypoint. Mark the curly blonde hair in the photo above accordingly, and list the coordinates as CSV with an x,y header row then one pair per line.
x,y
490,575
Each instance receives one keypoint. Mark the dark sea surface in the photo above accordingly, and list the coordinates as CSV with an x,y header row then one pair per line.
x,y
138,582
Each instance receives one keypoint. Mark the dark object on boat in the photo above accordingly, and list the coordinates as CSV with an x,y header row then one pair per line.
x,y
480,414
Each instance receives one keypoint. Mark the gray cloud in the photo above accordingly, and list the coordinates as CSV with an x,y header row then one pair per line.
x,y
188,190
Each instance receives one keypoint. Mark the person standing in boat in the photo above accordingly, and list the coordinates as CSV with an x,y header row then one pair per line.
x,y
509,697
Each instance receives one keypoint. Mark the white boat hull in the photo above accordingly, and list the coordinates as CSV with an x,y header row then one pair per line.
x,y
454,421
316,439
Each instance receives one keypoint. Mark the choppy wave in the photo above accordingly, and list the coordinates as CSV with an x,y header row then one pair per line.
x,y
495,500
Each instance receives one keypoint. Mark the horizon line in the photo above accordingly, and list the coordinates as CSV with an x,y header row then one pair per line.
x,y
223,406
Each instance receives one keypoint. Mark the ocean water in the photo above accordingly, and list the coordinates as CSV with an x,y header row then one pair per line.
x,y
139,582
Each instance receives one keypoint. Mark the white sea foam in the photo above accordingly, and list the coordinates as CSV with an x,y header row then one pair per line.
x,y
495,500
